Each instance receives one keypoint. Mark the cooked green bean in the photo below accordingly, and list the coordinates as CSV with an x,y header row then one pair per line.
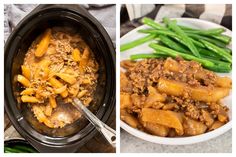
x,y
142,56
215,31
214,41
152,23
171,44
205,63
209,53
137,42
227,50
158,32
220,69
226,39
178,47
217,50
6,151
25,148
220,63
208,31
184,37
197,43
172,35
12,150
174,53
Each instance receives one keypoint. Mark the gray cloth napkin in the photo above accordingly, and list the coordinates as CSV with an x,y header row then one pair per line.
x,y
105,14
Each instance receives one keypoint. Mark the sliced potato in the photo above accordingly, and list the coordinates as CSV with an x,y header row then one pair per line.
x,y
129,119
167,118
125,100
209,94
193,127
225,82
84,60
23,80
153,96
67,77
43,44
216,125
57,84
156,129
29,99
60,90
172,65
171,87
209,120
52,102
169,106
76,55
26,72
201,93
28,91
125,84
82,93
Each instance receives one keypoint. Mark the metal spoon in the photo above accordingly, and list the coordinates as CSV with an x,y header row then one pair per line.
x,y
105,130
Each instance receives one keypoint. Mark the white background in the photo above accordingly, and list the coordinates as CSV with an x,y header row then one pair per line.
x,y
118,3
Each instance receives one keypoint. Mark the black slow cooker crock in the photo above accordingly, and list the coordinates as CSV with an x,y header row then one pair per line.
x,y
71,137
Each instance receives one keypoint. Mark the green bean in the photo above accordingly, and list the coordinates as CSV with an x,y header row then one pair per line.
x,y
226,67
214,41
6,151
184,37
174,53
209,53
177,38
197,43
215,31
207,31
224,38
12,150
205,62
142,56
26,149
170,43
152,23
227,50
158,32
171,34
217,50
178,47
137,42
220,69
217,62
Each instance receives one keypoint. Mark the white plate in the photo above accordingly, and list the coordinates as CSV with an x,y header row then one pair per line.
x,y
194,23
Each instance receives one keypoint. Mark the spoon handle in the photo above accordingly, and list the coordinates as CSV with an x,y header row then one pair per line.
x,y
107,131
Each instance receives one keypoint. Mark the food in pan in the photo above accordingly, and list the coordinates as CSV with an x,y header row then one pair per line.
x,y
58,66
172,97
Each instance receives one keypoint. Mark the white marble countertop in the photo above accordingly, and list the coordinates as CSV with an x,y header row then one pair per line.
x,y
132,144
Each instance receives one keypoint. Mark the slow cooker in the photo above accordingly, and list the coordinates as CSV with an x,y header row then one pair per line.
x,y
73,136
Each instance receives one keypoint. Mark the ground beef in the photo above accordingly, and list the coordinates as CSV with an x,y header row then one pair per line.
x,y
136,77
63,41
